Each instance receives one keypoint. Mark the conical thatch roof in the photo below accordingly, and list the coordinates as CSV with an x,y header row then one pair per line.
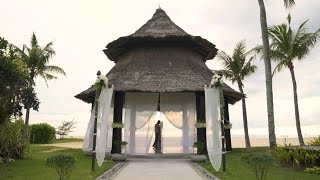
x,y
160,29
160,57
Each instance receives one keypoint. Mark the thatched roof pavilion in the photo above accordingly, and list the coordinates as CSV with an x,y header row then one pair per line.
x,y
160,57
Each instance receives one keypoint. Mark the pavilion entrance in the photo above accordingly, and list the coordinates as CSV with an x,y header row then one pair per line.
x,y
177,115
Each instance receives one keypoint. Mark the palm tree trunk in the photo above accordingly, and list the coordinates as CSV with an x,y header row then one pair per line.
x,y
26,124
244,117
296,105
267,65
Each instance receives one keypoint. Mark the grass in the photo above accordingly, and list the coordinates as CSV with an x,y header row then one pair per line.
x,y
33,167
237,170
67,140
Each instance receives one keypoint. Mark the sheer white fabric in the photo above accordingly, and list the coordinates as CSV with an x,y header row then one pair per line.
x,y
88,138
103,123
139,121
180,110
212,103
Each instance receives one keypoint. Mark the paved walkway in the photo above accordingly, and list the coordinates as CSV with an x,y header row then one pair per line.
x,y
158,169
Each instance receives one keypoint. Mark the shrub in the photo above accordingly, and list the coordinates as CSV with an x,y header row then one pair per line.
x,y
63,164
315,141
282,155
41,133
298,156
314,170
12,142
259,163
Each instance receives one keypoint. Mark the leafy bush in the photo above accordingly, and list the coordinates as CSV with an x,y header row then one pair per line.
x,y
41,133
315,141
296,157
283,155
63,164
259,163
314,170
12,142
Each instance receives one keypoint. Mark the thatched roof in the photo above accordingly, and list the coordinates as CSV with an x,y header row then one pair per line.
x,y
160,29
160,69
160,57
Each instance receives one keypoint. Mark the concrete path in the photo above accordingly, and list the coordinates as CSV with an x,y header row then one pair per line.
x,y
158,169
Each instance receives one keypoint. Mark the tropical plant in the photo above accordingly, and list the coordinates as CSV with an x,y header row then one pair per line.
x,y
315,141
288,45
313,170
37,60
236,68
283,155
16,88
62,163
13,144
259,163
267,65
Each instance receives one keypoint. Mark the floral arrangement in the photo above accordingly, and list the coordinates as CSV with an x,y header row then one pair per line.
x,y
200,125
117,125
216,81
227,125
102,81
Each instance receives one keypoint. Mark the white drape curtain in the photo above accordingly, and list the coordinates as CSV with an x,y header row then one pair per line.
x,y
139,121
213,131
180,110
104,130
103,123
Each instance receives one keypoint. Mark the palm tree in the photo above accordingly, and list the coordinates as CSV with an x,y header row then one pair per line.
x,y
267,66
286,46
236,69
37,60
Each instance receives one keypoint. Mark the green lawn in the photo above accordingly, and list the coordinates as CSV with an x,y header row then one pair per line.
x,y
236,170
66,140
33,167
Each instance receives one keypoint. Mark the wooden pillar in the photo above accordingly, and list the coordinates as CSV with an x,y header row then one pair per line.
x,y
227,131
117,118
201,116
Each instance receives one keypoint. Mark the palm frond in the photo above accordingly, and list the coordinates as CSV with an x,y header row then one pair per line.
x,y
54,69
288,3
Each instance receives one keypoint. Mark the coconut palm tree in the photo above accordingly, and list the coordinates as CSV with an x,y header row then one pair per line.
x,y
267,66
37,60
236,68
286,46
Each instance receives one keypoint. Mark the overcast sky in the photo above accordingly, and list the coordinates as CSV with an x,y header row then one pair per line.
x,y
81,29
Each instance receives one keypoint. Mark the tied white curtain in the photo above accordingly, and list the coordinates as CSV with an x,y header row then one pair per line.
x,y
212,103
104,121
139,121
180,110
104,104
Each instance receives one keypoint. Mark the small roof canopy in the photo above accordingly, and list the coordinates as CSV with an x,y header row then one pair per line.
x,y
159,29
